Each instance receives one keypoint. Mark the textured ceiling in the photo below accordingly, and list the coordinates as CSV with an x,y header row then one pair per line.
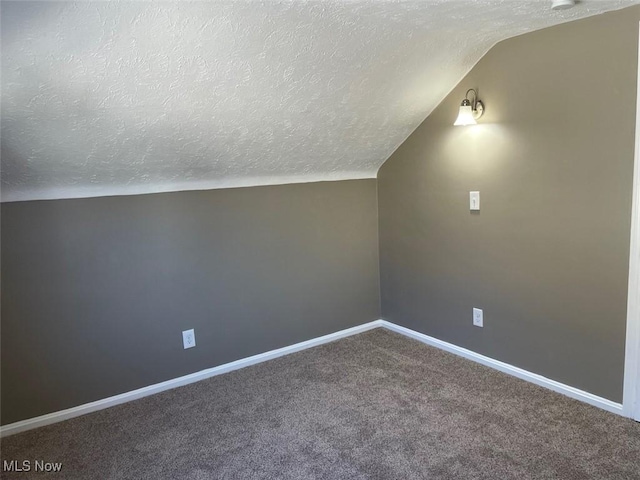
x,y
112,98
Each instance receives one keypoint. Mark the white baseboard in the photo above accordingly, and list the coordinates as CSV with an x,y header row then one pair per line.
x,y
510,369
55,417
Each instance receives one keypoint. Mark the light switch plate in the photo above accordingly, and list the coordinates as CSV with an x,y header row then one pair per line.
x,y
474,201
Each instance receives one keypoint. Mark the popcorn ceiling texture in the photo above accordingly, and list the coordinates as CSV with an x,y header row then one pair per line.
x,y
111,98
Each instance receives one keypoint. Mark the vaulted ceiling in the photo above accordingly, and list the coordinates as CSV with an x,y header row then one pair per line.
x,y
108,98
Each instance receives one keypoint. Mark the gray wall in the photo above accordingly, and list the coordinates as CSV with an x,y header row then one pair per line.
x,y
96,292
547,256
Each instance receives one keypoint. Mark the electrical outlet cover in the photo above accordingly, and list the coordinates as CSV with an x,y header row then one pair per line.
x,y
478,317
189,338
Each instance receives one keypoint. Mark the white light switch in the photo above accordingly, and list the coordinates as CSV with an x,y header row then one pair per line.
x,y
474,200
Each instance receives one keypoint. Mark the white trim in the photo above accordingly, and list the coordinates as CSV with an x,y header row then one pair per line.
x,y
55,417
510,369
631,400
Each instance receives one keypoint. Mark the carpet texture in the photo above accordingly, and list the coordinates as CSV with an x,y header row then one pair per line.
x,y
372,406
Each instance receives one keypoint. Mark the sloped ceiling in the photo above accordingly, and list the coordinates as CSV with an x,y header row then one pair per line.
x,y
111,98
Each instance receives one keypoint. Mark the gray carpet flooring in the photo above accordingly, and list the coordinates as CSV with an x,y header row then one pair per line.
x,y
373,406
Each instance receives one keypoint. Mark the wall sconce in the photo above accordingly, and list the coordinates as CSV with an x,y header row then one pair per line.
x,y
562,4
470,111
